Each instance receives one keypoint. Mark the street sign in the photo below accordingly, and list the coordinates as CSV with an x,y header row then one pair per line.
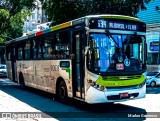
x,y
154,46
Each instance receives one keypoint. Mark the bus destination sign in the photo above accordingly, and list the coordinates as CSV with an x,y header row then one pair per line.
x,y
124,26
117,24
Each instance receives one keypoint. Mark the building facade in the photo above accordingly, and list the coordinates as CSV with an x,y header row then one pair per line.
x,y
37,17
151,17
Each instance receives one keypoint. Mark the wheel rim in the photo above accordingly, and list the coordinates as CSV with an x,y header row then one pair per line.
x,y
152,84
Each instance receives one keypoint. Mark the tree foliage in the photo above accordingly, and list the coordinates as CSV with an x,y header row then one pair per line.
x,y
12,16
4,15
64,10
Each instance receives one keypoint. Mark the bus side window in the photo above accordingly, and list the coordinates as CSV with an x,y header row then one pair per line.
x,y
50,52
27,50
46,44
54,41
20,53
50,46
65,44
36,49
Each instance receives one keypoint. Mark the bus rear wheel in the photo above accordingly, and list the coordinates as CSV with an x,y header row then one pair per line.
x,y
62,92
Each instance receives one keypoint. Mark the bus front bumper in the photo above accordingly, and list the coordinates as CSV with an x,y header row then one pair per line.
x,y
95,96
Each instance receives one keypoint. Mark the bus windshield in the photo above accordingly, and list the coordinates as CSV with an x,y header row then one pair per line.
x,y
106,55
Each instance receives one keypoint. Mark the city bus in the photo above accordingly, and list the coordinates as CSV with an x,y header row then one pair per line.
x,y
78,60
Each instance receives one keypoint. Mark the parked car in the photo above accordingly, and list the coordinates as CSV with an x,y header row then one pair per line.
x,y
154,81
3,70
152,74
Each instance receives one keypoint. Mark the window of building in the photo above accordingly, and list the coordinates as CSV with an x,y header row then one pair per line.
x,y
33,15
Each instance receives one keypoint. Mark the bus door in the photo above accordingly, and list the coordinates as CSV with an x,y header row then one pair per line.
x,y
77,65
13,64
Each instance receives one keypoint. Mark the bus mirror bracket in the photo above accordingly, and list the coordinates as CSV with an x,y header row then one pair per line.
x,y
86,50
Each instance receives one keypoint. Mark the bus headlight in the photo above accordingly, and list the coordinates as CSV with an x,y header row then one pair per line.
x,y
90,81
142,84
95,85
101,88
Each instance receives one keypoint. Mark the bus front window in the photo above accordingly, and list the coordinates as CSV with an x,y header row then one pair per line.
x,y
100,51
105,54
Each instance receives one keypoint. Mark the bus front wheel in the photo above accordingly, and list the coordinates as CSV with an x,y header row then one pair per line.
x,y
62,92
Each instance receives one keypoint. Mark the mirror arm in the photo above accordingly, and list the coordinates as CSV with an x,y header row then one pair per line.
x,y
86,50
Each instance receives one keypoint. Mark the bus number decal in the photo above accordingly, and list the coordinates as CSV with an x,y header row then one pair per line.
x,y
54,67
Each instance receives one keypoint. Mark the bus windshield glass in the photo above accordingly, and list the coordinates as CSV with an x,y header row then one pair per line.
x,y
122,54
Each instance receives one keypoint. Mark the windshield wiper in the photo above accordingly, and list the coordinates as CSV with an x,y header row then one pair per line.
x,y
111,38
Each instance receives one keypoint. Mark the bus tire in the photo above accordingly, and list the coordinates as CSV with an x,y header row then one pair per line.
x,y
21,81
62,92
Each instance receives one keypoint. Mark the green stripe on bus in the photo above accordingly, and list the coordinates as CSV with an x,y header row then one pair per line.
x,y
122,17
55,28
120,82
69,71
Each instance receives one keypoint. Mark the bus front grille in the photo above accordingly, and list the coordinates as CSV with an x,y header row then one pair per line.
x,y
119,78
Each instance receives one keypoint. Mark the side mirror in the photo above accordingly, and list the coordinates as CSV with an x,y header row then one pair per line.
x,y
86,50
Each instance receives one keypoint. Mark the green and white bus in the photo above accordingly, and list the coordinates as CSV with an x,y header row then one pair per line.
x,y
76,59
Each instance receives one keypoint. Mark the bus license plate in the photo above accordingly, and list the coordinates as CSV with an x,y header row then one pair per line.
x,y
124,95
120,66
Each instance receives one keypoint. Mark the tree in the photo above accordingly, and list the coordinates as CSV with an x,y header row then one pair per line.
x,y
12,16
4,15
122,7
60,11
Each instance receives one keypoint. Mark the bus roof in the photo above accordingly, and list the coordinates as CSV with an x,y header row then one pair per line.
x,y
72,23
113,16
